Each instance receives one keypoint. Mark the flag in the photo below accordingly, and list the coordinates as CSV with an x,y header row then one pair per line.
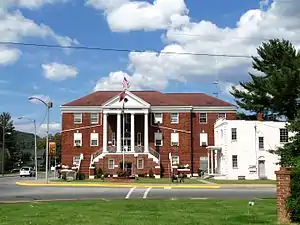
x,y
122,96
125,83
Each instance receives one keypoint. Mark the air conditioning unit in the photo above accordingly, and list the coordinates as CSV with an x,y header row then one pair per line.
x,y
77,145
204,144
175,144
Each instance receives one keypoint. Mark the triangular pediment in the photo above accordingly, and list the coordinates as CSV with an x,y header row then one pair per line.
x,y
133,102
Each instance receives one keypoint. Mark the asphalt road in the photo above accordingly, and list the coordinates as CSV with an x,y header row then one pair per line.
x,y
9,191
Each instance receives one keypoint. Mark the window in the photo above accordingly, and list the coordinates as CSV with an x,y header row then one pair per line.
x,y
234,161
139,139
175,160
111,164
140,164
203,139
233,134
158,118
127,118
261,142
94,118
204,163
203,118
174,139
222,115
77,118
174,117
113,139
94,139
284,137
158,139
77,139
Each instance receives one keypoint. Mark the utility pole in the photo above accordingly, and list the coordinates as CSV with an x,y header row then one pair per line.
x,y
3,147
35,151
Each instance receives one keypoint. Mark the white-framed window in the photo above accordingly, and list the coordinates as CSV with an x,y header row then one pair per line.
x,y
261,143
174,117
202,117
111,164
175,160
284,136
140,164
77,139
77,118
158,139
203,163
175,139
113,138
222,115
94,118
234,161
94,137
203,139
158,118
139,138
233,134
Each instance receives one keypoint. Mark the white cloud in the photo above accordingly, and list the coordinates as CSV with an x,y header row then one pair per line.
x,y
41,128
59,72
142,15
30,4
279,20
53,128
9,55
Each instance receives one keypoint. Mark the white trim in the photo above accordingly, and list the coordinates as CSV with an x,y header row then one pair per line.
x,y
113,167
140,168
81,109
115,98
128,111
97,122
223,109
81,128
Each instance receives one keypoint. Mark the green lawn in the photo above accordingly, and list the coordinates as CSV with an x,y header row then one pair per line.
x,y
140,212
243,181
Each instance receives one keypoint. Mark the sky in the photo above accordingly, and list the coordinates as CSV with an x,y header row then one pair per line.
x,y
147,29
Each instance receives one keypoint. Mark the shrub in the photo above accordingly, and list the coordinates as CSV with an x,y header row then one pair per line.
x,y
99,173
141,175
151,174
293,203
81,176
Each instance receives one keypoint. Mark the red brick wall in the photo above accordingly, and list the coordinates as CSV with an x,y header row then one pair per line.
x,y
183,151
68,151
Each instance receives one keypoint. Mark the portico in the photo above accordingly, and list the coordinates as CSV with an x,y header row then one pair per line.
x,y
126,114
214,160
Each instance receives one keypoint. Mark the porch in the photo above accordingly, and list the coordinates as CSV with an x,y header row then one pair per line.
x,y
214,154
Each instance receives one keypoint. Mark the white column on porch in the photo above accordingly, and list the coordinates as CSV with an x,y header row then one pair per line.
x,y
104,132
119,132
212,162
146,142
132,132
216,162
208,162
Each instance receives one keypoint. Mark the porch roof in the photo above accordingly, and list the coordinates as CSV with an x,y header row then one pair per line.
x,y
213,147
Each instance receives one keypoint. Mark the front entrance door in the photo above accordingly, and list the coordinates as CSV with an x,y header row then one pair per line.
x,y
127,144
261,169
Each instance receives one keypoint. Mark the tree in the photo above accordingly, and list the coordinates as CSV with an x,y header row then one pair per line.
x,y
276,90
57,139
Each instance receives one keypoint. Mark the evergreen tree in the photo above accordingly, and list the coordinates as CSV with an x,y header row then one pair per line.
x,y
275,90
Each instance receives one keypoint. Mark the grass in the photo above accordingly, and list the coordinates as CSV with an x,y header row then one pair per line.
x,y
140,212
243,181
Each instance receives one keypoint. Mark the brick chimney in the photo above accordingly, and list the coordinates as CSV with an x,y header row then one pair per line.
x,y
260,116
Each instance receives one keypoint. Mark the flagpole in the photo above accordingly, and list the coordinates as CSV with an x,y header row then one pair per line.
x,y
123,149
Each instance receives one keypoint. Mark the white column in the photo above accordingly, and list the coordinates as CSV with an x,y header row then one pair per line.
x,y
146,142
208,163
119,132
104,132
212,162
216,162
132,132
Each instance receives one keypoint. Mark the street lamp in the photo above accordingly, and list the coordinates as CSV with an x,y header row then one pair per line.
x,y
35,146
48,106
3,147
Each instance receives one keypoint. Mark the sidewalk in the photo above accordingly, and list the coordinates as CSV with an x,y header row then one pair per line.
x,y
42,183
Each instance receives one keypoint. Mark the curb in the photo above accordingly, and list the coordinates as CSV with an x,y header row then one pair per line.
x,y
118,185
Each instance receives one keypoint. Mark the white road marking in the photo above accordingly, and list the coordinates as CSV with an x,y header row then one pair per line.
x,y
198,198
129,193
146,192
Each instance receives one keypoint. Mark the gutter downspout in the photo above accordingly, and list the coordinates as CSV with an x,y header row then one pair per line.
x,y
192,143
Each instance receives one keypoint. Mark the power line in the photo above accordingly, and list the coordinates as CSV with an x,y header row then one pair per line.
x,y
121,50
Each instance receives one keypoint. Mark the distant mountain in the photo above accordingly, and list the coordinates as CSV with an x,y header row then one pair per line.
x,y
25,141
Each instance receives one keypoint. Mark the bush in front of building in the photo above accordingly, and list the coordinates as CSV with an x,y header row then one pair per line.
x,y
80,176
151,174
293,202
99,173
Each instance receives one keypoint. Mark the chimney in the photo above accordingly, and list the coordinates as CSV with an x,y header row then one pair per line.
x,y
260,116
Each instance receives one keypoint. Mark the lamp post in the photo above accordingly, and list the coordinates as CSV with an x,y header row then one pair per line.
x,y
48,106
35,145
123,112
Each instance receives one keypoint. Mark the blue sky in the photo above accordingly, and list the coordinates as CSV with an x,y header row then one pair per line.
x,y
216,26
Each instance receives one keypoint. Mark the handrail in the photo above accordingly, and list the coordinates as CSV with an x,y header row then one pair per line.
x,y
154,153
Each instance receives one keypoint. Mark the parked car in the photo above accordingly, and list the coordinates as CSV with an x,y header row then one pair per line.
x,y
15,170
27,171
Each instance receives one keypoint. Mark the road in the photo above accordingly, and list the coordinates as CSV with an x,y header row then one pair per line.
x,y
12,192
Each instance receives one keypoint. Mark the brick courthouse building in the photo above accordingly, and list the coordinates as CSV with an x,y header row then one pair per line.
x,y
160,131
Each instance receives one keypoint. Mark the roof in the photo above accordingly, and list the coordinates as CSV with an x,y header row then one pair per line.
x,y
154,98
